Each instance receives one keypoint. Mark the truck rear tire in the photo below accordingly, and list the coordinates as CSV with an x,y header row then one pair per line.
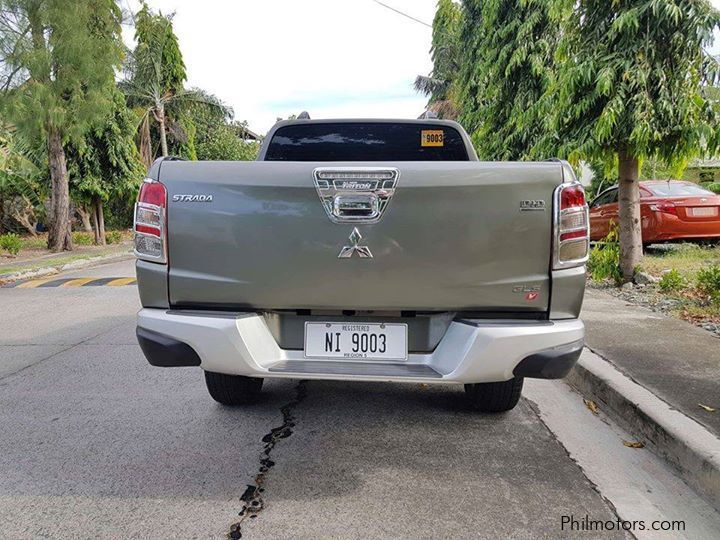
x,y
233,389
495,396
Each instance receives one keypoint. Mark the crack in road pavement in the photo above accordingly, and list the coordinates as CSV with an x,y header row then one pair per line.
x,y
68,347
252,497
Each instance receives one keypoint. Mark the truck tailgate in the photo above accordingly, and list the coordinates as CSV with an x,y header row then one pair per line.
x,y
452,238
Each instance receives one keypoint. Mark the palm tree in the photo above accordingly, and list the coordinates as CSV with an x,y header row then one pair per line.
x,y
155,74
446,54
152,102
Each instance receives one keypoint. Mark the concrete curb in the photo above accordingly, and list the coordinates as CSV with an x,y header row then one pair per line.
x,y
74,265
690,448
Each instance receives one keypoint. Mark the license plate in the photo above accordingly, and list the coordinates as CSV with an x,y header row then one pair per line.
x,y
361,341
704,211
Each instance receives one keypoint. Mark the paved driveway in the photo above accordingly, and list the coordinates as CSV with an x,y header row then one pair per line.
x,y
96,443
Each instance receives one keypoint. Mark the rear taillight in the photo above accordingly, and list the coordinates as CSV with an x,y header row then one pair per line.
x,y
572,234
150,233
665,208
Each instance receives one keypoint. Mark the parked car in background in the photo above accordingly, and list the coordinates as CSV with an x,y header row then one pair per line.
x,y
670,211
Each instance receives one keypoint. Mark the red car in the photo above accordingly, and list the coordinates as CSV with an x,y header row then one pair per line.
x,y
670,211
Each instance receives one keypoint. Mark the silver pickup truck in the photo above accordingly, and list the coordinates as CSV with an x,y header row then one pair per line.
x,y
363,250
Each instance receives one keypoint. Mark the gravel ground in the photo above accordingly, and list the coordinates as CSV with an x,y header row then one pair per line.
x,y
650,297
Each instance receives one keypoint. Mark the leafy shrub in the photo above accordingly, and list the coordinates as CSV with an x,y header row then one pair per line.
x,y
714,187
11,243
113,237
82,238
708,281
671,281
604,260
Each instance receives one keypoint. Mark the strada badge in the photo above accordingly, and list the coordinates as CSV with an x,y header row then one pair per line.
x,y
192,198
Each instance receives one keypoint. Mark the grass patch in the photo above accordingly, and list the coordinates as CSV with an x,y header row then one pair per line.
x,y
688,286
686,259
80,238
689,274
695,306
34,242
60,261
48,264
697,313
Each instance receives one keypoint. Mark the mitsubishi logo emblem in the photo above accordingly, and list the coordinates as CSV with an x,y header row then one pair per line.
x,y
348,251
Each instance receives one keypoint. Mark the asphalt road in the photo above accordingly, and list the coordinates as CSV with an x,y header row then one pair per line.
x,y
94,442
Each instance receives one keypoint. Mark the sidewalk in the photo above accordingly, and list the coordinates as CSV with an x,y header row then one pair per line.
x,y
33,261
53,263
678,362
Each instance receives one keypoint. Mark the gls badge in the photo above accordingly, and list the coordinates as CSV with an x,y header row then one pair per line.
x,y
192,198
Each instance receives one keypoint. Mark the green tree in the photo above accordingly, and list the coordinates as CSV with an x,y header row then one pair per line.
x,y
655,169
58,69
21,180
157,54
155,75
106,164
181,128
507,69
446,53
225,142
208,112
631,85
217,136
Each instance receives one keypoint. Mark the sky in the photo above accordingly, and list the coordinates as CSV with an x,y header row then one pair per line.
x,y
333,58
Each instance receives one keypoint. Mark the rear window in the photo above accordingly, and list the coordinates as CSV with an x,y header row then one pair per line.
x,y
678,189
371,141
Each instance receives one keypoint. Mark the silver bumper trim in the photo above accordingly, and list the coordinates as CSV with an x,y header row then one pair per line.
x,y
483,351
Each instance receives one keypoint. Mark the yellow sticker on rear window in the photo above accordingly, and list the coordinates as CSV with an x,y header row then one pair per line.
x,y
432,137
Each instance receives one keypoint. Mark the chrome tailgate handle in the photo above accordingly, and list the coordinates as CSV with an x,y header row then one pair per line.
x,y
355,194
356,207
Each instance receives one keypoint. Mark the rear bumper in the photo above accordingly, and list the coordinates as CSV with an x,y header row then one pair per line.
x,y
471,351
667,227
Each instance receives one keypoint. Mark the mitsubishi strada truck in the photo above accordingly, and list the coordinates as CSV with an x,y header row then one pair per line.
x,y
363,250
